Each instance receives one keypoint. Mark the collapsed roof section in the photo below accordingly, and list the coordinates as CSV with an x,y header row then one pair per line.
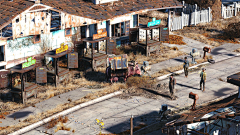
x,y
10,9
107,11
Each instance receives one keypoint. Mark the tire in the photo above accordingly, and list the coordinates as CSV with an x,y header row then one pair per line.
x,y
211,61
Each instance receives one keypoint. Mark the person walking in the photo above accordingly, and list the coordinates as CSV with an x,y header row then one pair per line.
x,y
203,76
185,67
172,82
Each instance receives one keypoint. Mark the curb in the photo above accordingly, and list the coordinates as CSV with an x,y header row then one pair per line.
x,y
181,71
65,112
214,100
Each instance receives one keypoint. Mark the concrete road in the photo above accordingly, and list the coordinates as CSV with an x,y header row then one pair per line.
x,y
116,112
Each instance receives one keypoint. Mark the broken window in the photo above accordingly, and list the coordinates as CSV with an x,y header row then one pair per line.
x,y
2,53
135,20
37,39
17,20
68,32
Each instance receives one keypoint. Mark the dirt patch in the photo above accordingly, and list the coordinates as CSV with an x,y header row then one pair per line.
x,y
175,39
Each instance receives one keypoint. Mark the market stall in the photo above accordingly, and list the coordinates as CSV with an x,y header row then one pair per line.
x,y
23,80
93,54
149,37
57,64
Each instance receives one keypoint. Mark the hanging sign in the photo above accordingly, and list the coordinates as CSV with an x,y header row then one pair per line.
x,y
100,34
62,48
154,22
29,62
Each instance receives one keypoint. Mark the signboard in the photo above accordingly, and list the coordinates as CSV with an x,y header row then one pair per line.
x,y
127,24
4,79
41,75
62,48
154,22
29,62
100,34
111,46
119,62
73,60
164,34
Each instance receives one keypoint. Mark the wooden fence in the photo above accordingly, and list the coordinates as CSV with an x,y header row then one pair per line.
x,y
190,16
230,10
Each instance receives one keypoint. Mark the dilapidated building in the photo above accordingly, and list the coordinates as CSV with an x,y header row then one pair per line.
x,y
35,27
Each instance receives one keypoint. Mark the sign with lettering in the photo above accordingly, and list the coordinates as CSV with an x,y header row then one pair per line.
x,y
62,48
154,22
100,34
4,79
164,31
41,75
29,62
73,60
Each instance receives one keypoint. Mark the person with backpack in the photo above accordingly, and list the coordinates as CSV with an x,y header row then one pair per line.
x,y
185,67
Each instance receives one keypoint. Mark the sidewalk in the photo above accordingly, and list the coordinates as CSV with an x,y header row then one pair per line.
x,y
219,53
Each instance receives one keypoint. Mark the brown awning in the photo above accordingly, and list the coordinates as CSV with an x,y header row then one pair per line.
x,y
144,27
18,68
54,55
234,79
90,39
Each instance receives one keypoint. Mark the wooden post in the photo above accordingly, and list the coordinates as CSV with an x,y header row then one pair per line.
x,y
120,27
146,37
56,71
92,50
131,124
222,11
169,19
195,15
107,44
209,14
114,30
159,33
235,8
22,88
182,20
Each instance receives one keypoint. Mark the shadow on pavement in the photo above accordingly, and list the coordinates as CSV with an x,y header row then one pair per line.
x,y
221,92
18,115
141,121
179,60
157,93
216,51
230,54
187,86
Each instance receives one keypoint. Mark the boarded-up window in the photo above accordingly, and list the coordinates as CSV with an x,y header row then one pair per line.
x,y
68,32
37,39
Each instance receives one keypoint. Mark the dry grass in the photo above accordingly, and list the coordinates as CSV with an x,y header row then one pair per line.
x,y
175,39
139,82
60,126
166,53
54,122
216,33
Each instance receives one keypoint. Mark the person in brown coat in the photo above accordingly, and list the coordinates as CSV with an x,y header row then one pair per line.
x,y
172,82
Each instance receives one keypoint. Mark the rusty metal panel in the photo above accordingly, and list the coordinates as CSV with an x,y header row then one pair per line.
x,y
164,34
4,79
41,75
133,34
63,20
32,24
73,60
234,79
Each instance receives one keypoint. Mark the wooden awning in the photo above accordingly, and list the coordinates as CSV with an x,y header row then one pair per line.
x,y
144,27
18,68
234,79
90,39
54,55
